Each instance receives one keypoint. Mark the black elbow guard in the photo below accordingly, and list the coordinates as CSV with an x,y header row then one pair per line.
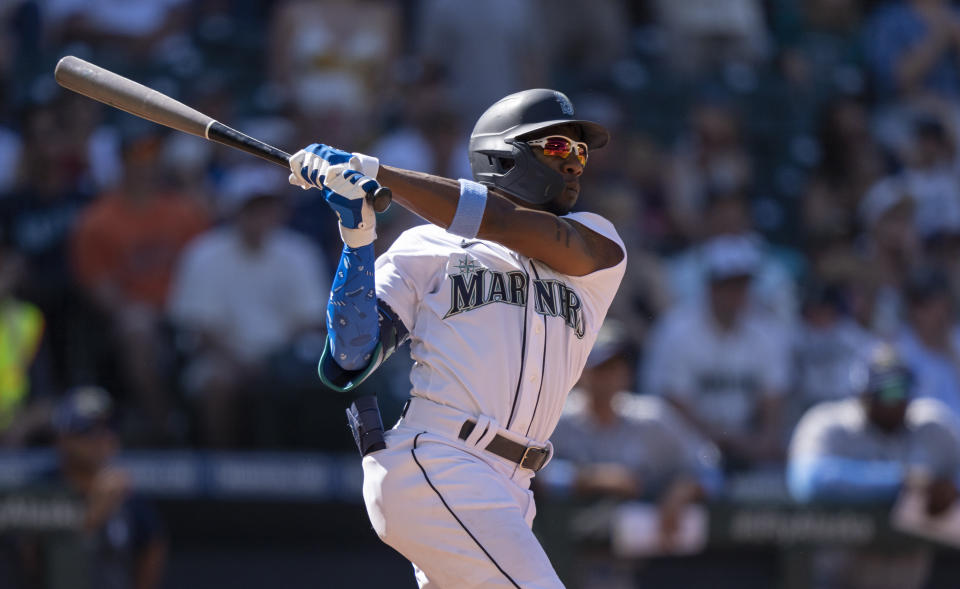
x,y
393,334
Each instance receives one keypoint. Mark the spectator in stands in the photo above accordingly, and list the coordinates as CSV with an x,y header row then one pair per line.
x,y
124,249
850,163
706,33
889,249
118,28
709,159
820,44
247,290
930,342
25,380
36,220
828,344
585,40
723,365
772,288
122,544
611,442
912,49
940,236
930,175
474,48
333,59
867,448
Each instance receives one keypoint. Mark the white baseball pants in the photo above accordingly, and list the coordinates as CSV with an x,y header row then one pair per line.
x,y
460,515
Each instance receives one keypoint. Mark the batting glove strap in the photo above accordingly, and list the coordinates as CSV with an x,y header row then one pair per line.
x,y
361,236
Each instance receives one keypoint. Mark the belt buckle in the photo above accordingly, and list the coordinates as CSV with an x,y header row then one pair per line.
x,y
533,458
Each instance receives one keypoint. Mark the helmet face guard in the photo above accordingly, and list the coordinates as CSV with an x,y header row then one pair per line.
x,y
500,159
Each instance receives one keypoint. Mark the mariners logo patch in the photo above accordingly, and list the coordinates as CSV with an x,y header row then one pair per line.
x,y
565,105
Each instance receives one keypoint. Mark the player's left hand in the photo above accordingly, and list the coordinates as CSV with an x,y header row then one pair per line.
x,y
309,166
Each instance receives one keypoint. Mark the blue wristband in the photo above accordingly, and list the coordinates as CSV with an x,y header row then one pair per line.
x,y
473,200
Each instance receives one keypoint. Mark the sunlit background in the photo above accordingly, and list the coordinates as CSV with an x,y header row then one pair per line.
x,y
784,174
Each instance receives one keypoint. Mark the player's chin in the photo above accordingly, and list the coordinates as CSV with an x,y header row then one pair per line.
x,y
564,203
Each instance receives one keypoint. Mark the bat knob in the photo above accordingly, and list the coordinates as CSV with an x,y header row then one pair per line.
x,y
382,197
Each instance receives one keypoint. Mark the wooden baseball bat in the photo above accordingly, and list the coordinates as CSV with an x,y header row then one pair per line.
x,y
113,89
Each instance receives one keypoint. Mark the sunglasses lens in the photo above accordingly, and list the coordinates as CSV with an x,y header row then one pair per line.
x,y
557,146
561,147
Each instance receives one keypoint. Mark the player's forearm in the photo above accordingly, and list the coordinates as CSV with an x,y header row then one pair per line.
x,y
532,233
432,197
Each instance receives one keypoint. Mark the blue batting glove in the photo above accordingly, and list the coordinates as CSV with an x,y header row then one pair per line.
x,y
309,166
345,190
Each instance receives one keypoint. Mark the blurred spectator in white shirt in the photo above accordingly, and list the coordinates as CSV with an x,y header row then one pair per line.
x,y
772,288
724,366
247,289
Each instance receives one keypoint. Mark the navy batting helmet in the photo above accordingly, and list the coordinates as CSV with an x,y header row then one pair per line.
x,y
498,156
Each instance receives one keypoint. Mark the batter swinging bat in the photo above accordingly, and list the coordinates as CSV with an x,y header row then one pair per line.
x,y
109,88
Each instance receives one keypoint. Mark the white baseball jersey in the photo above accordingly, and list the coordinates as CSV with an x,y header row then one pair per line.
x,y
497,338
492,332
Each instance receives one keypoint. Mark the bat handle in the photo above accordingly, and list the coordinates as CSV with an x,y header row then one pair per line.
x,y
217,131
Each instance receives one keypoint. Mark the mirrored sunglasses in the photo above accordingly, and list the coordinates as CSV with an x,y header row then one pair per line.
x,y
560,146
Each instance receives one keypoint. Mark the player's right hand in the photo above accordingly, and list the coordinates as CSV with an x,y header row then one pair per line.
x,y
345,190
309,166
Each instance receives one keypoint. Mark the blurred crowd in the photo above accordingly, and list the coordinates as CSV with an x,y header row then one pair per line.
x,y
785,173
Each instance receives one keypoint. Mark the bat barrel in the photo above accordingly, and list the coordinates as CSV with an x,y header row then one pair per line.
x,y
113,89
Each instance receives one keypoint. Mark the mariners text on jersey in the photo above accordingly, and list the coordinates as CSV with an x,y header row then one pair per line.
x,y
475,286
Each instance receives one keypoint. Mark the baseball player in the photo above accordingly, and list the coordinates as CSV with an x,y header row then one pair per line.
x,y
501,298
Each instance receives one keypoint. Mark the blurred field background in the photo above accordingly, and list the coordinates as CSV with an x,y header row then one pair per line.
x,y
824,132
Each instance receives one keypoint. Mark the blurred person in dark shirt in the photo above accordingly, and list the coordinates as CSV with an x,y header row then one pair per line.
x,y
36,219
124,251
121,543
850,163
820,40
709,158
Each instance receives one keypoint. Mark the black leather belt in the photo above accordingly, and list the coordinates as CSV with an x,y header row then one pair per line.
x,y
530,457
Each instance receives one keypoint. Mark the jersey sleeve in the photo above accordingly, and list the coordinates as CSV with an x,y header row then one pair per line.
x,y
599,287
407,271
